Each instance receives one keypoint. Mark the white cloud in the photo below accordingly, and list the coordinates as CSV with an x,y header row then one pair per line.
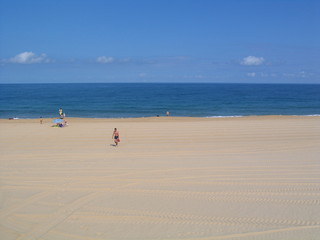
x,y
252,74
29,58
262,74
301,74
105,59
252,61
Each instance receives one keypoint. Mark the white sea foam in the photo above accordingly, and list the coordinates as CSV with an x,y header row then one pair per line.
x,y
224,116
239,116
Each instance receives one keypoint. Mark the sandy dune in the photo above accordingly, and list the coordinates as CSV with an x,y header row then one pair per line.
x,y
170,178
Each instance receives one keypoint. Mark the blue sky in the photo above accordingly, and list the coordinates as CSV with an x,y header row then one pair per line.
x,y
233,41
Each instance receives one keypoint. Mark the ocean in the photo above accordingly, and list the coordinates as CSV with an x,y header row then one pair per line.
x,y
132,100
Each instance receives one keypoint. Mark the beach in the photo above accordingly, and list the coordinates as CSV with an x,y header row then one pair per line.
x,y
169,178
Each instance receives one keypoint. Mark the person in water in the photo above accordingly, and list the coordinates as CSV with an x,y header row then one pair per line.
x,y
116,136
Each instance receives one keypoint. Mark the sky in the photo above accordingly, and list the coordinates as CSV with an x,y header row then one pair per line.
x,y
209,41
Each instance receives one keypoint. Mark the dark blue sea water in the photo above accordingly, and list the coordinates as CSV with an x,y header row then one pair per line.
x,y
111,100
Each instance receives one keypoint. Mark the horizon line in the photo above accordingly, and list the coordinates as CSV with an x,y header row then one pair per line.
x,y
255,83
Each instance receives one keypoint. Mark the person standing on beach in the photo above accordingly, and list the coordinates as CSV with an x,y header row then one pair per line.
x,y
61,113
116,136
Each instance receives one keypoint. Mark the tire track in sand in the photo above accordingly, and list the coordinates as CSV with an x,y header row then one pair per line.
x,y
227,196
251,234
31,200
58,217
162,217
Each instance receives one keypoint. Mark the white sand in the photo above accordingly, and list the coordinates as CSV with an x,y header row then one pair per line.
x,y
170,178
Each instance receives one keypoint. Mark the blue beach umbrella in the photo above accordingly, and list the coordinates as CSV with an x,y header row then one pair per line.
x,y
57,121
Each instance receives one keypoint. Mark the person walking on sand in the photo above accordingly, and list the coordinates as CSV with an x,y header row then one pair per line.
x,y
116,136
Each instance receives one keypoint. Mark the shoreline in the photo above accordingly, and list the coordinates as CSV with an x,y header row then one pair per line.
x,y
166,117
